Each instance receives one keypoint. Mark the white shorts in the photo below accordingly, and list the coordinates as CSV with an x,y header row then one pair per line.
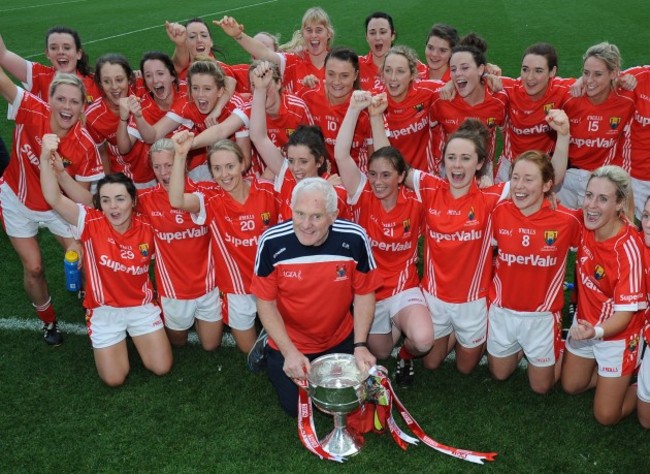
x,y
22,222
239,311
107,325
571,192
200,173
643,390
614,358
386,309
503,170
537,334
179,315
641,190
467,320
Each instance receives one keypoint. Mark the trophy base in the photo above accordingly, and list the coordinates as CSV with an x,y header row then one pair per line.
x,y
342,442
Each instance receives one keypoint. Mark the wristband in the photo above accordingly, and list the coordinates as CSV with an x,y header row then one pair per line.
x,y
238,38
360,344
124,120
599,332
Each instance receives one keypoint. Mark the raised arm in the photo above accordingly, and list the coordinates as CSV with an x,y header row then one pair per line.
x,y
178,34
558,121
254,47
49,184
124,140
178,198
262,77
12,63
348,169
8,89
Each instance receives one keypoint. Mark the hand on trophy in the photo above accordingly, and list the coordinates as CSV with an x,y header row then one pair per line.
x,y
296,365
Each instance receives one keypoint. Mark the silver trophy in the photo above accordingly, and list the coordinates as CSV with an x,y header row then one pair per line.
x,y
338,387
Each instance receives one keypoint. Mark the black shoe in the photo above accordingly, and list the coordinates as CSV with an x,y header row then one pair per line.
x,y
405,372
52,335
257,357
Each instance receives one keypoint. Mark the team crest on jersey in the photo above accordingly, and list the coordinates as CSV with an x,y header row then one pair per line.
x,y
471,214
341,272
406,224
266,218
66,162
550,236
613,122
419,107
599,272
491,122
634,343
548,107
144,249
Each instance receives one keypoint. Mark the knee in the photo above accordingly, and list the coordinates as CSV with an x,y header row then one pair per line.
x,y
431,364
160,369
500,375
114,380
421,345
571,387
34,270
607,418
210,346
644,420
541,388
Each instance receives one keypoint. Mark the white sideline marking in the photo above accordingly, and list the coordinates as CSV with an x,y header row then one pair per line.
x,y
159,26
35,325
39,6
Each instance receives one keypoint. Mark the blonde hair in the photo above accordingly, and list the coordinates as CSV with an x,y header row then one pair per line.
x,y
205,65
314,15
608,53
410,55
621,180
63,78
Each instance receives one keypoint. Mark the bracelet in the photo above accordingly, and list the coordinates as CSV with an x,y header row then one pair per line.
x,y
238,38
599,332
360,344
124,120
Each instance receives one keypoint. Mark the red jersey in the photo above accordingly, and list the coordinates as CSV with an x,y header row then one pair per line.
x,y
596,130
638,141
39,78
293,112
235,229
370,76
77,149
408,125
314,286
423,74
532,254
240,73
117,265
283,186
646,275
295,67
393,236
610,278
526,127
189,117
184,264
450,114
457,230
102,123
329,118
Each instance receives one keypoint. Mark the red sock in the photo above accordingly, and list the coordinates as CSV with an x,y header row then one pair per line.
x,y
404,354
46,312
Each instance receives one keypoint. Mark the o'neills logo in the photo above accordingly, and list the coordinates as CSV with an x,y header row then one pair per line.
x,y
461,235
531,260
120,267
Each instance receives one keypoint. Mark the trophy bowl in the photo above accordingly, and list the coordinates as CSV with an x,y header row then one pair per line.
x,y
337,387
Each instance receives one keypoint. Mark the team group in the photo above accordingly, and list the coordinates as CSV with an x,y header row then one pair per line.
x,y
356,159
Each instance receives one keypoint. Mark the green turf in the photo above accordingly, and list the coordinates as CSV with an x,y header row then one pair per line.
x,y
210,414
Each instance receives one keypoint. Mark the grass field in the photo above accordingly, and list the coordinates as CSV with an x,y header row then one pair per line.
x,y
210,414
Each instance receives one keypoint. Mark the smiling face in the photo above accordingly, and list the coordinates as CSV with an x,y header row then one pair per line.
x,y
198,39
316,37
62,52
397,76
158,80
117,205
535,75
384,179
161,163
226,170
204,92
115,83
438,53
379,37
461,165
466,75
601,209
597,79
66,105
339,80
302,163
311,221
527,188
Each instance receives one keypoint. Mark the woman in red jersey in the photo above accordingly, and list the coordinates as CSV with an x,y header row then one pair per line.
x,y
237,212
63,49
185,276
603,347
533,239
24,208
306,153
599,120
103,120
643,389
304,63
380,35
393,219
118,249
